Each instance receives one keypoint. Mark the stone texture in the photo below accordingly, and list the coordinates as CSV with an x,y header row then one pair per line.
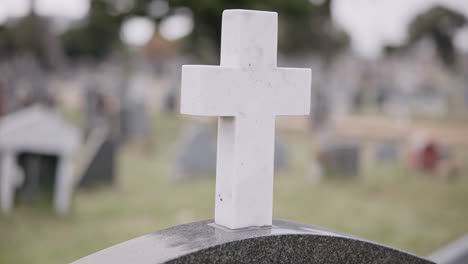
x,y
247,91
454,253
284,242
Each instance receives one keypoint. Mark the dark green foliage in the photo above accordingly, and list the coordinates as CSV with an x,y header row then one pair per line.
x,y
303,26
98,35
7,45
439,25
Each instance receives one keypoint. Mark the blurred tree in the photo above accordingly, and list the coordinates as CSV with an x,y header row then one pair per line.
x,y
32,35
304,26
438,24
7,46
97,35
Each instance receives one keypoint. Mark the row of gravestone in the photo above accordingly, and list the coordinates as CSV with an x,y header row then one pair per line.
x,y
38,151
239,234
31,171
197,154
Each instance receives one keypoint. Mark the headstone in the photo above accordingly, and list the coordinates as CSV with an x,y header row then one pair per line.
x,y
98,168
196,156
135,119
465,91
281,155
247,91
3,95
101,168
341,159
243,235
44,144
387,151
170,101
39,176
284,242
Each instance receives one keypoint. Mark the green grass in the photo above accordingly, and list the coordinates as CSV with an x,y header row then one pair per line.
x,y
387,205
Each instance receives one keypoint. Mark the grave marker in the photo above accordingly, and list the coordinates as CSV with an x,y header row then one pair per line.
x,y
245,169
41,131
247,91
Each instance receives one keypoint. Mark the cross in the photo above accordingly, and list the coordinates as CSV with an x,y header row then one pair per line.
x,y
247,91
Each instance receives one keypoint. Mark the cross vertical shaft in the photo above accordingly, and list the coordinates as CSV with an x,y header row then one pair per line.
x,y
244,171
247,91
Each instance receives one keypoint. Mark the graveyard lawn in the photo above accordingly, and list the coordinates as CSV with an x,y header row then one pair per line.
x,y
389,205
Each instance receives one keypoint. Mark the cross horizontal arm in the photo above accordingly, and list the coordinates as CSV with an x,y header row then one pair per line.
x,y
209,90
293,88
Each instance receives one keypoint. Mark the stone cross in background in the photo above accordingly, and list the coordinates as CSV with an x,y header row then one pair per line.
x,y
247,91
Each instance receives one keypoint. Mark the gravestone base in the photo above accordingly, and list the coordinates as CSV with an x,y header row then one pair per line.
x,y
284,242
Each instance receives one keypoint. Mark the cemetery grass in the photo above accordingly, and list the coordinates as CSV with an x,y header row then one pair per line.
x,y
389,204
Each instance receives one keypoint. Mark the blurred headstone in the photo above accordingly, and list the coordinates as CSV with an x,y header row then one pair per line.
x,y
3,95
387,151
465,92
320,110
342,159
170,101
281,155
99,166
44,145
135,119
197,154
39,176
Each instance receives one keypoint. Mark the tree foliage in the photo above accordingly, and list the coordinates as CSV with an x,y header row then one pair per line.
x,y
303,26
438,24
97,35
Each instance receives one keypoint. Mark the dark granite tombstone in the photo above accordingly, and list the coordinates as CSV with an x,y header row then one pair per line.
x,y
99,115
101,168
39,172
284,242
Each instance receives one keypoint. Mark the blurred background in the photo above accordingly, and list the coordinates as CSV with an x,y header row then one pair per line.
x,y
95,84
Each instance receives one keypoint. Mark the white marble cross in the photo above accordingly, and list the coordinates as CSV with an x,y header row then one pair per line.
x,y
247,91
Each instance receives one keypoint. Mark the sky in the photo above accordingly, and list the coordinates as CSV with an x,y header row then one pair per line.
x,y
370,23
374,23
73,9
